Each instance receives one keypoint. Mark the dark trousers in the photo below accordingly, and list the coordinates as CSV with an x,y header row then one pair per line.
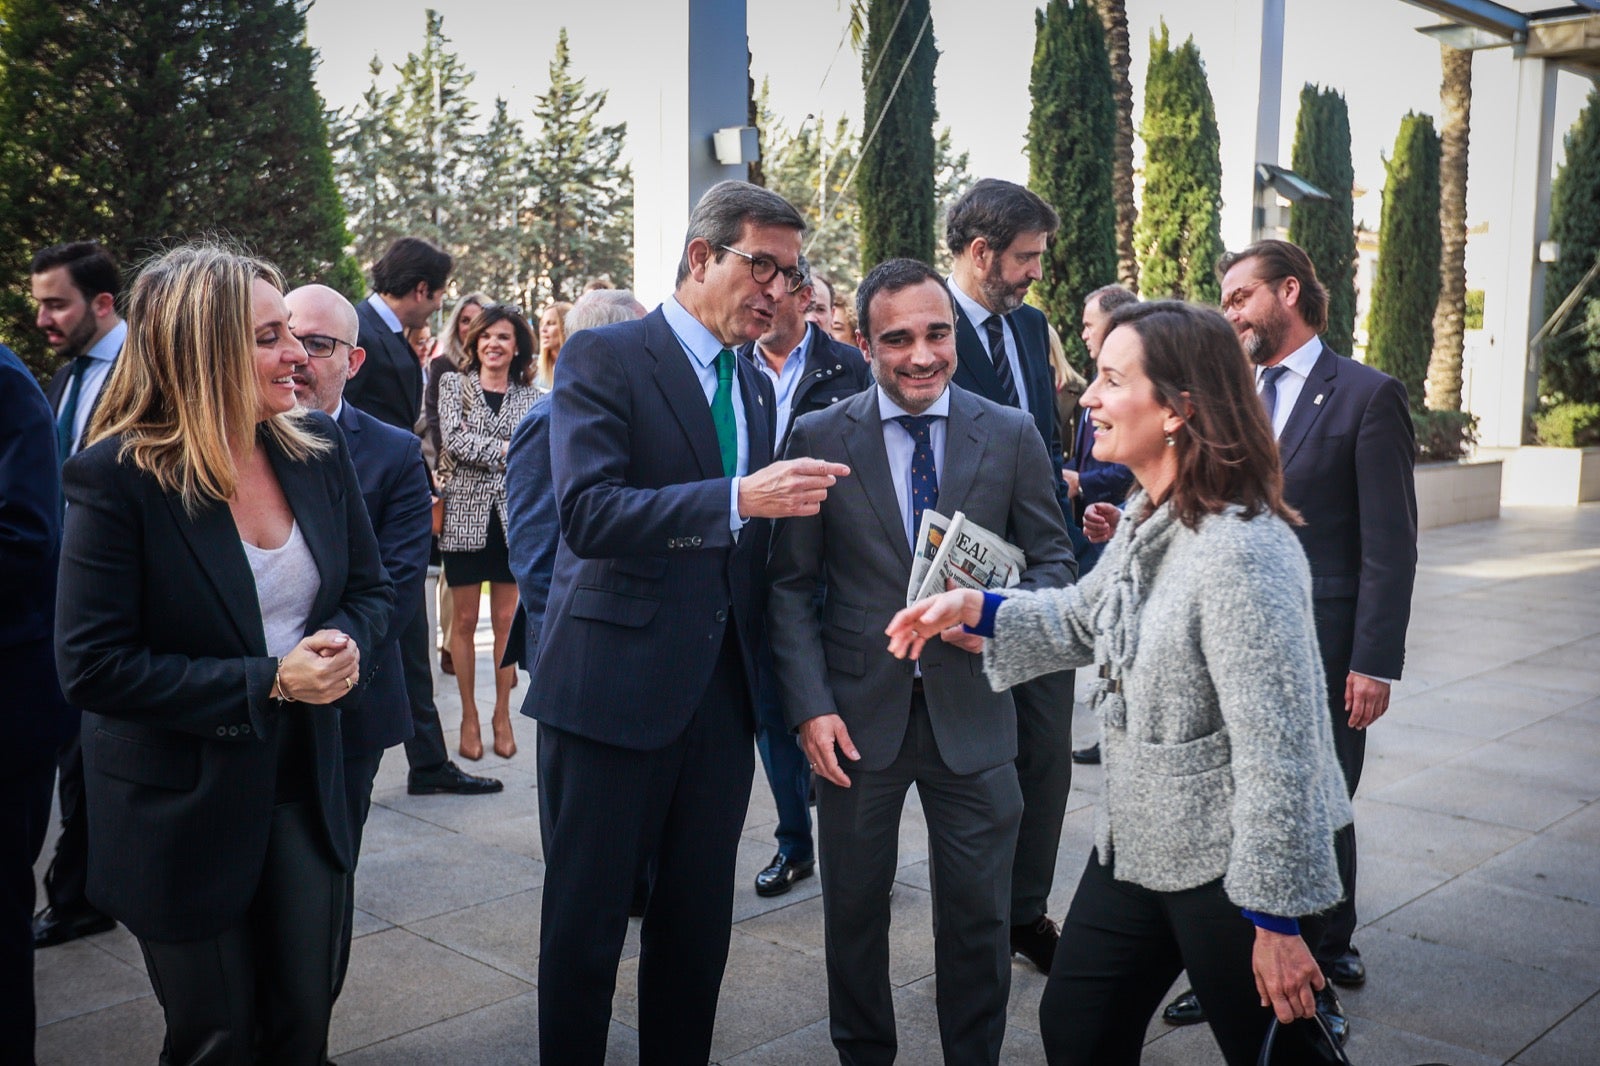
x,y
1328,934
25,796
425,750
1044,773
359,772
604,809
788,774
972,827
1121,948
263,990
68,874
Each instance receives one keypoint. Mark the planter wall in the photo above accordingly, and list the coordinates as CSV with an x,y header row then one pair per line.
x,y
1551,477
1449,493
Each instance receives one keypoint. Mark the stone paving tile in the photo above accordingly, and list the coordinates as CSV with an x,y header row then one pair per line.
x,y
1449,842
120,944
1584,826
754,856
1477,1002
1565,770
799,928
1471,792
1445,711
388,828
1548,932
1389,882
78,978
129,1032
1573,1042
503,933
440,874
399,981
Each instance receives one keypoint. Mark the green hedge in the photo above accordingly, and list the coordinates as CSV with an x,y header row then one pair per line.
x,y
1443,436
1568,425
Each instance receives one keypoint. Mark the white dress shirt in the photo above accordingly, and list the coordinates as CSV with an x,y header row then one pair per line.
x,y
900,447
102,356
1299,364
980,314
702,349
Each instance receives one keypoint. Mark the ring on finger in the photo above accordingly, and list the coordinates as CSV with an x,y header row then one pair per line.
x,y
349,683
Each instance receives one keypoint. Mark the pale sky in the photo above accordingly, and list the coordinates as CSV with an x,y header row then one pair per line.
x,y
1368,49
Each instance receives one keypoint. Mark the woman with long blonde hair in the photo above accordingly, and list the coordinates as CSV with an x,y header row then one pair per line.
x,y
220,584
552,335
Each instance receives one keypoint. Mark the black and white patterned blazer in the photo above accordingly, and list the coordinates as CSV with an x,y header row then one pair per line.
x,y
474,442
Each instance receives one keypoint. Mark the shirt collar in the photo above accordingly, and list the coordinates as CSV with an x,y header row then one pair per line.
x,y
338,411
1302,359
106,348
385,312
888,409
969,307
698,341
798,354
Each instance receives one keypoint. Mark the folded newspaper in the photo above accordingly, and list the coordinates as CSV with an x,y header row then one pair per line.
x,y
965,553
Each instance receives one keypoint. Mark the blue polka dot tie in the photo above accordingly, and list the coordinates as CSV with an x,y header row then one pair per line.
x,y
924,473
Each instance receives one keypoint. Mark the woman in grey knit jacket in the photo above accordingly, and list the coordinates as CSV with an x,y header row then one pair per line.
x,y
1222,791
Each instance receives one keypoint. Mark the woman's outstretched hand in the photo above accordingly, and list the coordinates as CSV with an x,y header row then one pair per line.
x,y
911,628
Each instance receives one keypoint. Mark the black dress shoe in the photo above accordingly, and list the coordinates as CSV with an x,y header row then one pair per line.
x,y
1347,971
1036,942
1089,756
448,777
51,928
781,874
1185,1010
1332,1012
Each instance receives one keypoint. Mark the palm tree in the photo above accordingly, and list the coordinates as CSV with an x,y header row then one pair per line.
x,y
1449,331
1114,14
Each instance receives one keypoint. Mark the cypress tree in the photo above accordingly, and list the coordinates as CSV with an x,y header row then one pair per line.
x,y
145,121
1179,233
1405,290
895,185
1072,126
1570,368
1327,229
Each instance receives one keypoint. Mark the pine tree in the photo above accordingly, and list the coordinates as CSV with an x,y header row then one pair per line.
x,y
895,185
1405,289
494,215
1179,234
1072,122
1114,16
143,122
950,180
363,142
435,117
583,198
796,162
1449,318
1327,229
1570,365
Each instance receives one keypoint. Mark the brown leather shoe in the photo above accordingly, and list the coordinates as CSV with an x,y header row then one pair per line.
x,y
1036,942
447,664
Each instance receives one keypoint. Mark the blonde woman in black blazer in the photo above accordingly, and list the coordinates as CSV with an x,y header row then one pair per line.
x,y
220,589
478,410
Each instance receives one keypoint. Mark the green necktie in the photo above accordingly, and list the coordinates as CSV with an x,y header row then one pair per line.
x,y
722,414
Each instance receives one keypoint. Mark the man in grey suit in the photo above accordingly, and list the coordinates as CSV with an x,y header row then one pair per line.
x,y
914,441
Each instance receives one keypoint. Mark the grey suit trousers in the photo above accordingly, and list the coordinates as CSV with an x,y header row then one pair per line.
x,y
972,832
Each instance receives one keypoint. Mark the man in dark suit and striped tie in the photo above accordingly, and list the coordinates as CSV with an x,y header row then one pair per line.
x,y
998,232
75,287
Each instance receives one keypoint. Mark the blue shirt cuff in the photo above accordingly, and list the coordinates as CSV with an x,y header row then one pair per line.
x,y
985,626
735,523
1274,923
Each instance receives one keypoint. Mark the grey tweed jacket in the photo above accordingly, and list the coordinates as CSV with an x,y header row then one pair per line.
x,y
1219,758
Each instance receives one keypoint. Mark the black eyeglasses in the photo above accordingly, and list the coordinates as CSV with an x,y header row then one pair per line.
x,y
764,268
319,345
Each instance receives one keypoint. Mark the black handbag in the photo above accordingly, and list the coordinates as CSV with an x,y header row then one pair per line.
x,y
1318,1046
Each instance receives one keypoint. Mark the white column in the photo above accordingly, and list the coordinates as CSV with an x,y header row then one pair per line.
x,y
1248,111
699,59
1505,388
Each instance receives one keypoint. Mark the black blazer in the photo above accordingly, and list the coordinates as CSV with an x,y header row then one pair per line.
x,y
1348,452
159,640
833,372
975,373
647,576
398,498
389,384
34,718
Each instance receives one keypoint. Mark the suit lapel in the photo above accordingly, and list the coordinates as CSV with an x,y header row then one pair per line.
x,y
213,539
758,420
684,396
863,443
974,356
964,441
1314,396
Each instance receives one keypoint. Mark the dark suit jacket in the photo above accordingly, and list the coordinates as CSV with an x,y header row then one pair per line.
x,y
159,640
389,385
34,717
648,576
975,373
395,489
995,469
57,389
1348,453
1098,482
533,532
833,372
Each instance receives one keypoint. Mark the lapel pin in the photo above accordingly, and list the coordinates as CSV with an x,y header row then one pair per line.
x,y
1318,401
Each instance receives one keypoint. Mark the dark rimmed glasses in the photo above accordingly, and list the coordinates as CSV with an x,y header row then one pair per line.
x,y
320,345
763,268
